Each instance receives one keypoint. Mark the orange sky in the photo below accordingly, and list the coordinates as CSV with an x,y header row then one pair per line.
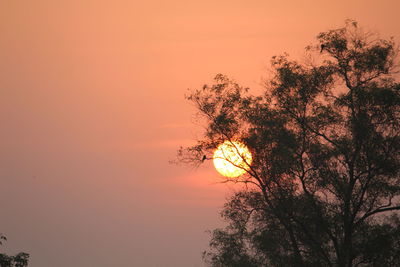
x,y
92,108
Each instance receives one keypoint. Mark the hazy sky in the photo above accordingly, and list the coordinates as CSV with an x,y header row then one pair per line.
x,y
92,109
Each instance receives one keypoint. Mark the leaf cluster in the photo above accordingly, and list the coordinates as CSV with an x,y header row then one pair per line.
x,y
19,260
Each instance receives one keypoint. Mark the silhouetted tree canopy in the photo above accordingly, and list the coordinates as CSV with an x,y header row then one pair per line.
x,y
19,260
324,185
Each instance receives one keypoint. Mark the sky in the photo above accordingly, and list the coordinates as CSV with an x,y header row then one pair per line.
x,y
92,110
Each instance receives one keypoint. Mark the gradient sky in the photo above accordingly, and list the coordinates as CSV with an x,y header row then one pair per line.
x,y
92,109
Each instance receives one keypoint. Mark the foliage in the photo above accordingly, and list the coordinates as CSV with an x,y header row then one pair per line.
x,y
19,260
324,185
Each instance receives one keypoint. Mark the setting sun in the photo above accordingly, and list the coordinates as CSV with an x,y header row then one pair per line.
x,y
232,159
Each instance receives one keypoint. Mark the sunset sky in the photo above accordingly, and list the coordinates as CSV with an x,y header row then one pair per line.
x,y
92,110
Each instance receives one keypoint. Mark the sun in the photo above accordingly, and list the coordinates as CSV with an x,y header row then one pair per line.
x,y
232,159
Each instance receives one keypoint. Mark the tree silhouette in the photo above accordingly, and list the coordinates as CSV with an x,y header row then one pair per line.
x,y
323,188
19,260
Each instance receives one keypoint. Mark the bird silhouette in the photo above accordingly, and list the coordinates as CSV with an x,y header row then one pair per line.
x,y
322,47
204,158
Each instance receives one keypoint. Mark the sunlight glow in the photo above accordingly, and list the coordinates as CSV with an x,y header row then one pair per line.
x,y
232,159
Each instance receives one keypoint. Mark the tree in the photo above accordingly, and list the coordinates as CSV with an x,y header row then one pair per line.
x,y
19,260
323,188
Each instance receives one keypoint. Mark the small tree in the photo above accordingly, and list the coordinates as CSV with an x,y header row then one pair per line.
x,y
19,260
323,188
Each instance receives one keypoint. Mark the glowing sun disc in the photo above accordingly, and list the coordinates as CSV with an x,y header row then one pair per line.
x,y
232,159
